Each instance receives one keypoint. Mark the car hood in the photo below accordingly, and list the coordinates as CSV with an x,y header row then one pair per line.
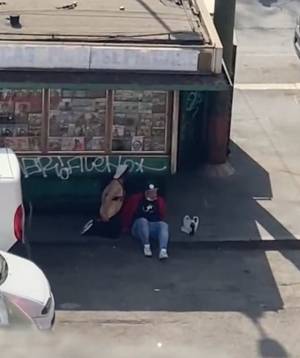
x,y
25,280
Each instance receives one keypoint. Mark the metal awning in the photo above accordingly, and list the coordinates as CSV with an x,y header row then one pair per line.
x,y
113,80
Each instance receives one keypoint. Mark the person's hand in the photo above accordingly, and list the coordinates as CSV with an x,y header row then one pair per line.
x,y
104,218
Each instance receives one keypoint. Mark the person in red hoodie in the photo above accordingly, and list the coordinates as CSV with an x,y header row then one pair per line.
x,y
143,215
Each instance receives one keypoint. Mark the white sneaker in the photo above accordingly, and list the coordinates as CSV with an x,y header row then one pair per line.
x,y
163,254
147,250
87,227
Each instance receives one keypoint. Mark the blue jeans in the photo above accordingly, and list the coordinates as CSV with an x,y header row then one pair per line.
x,y
143,230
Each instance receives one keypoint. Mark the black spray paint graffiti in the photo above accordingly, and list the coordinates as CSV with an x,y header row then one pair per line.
x,y
65,167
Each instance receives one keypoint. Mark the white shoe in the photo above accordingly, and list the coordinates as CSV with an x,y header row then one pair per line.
x,y
196,221
186,224
163,254
147,250
87,227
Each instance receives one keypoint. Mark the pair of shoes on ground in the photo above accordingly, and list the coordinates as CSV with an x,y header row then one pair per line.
x,y
163,254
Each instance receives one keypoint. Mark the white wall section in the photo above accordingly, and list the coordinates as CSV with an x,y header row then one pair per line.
x,y
87,57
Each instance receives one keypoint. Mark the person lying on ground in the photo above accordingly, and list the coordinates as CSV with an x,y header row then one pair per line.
x,y
143,215
108,223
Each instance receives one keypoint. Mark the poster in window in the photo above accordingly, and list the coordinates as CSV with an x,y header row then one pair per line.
x,y
158,132
145,107
100,105
158,144
21,143
78,118
35,118
144,116
6,107
22,107
72,144
118,131
34,144
7,130
95,143
21,119
10,142
86,104
54,144
21,130
137,143
21,110
144,131
65,104
122,145
147,144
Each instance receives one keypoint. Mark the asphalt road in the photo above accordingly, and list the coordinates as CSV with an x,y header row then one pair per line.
x,y
113,302
265,123
265,33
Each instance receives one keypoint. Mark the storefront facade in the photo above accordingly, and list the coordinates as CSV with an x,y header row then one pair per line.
x,y
74,105
69,141
69,124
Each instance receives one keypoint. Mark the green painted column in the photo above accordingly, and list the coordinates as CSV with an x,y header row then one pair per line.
x,y
192,132
219,118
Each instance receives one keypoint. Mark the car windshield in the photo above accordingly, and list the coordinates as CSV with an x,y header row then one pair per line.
x,y
3,269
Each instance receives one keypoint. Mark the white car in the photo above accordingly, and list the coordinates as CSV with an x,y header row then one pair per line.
x,y
24,284
11,203
13,317
297,37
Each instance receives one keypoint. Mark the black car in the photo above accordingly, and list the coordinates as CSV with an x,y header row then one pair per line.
x,y
297,37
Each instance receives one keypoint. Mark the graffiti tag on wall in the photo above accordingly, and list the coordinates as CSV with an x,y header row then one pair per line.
x,y
64,167
193,103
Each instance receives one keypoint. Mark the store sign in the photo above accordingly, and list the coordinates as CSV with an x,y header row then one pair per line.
x,y
44,56
154,59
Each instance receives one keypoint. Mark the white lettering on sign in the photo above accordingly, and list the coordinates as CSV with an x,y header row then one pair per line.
x,y
65,167
137,58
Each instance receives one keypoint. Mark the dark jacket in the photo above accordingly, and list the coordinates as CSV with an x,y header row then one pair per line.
x,y
130,208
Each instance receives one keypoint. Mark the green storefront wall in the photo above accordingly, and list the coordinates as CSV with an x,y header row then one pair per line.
x,y
74,182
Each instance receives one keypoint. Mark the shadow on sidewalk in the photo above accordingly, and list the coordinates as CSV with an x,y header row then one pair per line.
x,y
114,276
231,208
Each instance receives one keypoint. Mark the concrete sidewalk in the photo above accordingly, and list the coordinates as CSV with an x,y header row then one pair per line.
x,y
240,207
259,201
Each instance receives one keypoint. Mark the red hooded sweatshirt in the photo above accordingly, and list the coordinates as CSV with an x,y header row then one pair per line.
x,y
130,208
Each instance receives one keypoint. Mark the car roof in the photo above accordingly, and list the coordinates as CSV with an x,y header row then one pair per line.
x,y
9,165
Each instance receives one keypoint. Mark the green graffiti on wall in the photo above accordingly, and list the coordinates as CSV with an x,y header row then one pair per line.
x,y
192,127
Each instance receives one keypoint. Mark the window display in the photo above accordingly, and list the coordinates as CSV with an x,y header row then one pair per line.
x,y
139,121
21,119
77,121
81,121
